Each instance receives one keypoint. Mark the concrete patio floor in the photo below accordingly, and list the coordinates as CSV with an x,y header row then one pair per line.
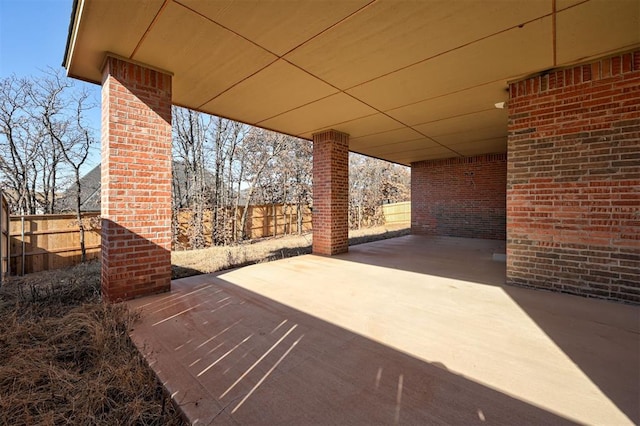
x,y
411,330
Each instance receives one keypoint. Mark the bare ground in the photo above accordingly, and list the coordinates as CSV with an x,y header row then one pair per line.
x,y
66,356
194,262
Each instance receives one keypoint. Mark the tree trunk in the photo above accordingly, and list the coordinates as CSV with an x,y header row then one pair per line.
x,y
83,249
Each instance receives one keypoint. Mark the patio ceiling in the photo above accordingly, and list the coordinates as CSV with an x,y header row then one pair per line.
x,y
407,80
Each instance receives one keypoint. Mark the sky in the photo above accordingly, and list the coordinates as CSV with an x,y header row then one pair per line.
x,y
33,37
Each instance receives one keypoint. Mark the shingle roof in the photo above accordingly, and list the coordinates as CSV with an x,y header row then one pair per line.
x,y
89,193
90,189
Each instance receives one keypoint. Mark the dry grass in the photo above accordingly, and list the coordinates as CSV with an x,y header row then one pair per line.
x,y
66,357
193,262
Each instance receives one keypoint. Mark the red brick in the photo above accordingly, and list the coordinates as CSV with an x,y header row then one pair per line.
x,y
136,184
584,217
460,197
330,192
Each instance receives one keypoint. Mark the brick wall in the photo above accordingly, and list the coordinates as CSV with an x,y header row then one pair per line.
x,y
573,193
460,197
136,180
330,193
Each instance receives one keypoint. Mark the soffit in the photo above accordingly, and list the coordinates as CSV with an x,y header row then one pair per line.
x,y
390,35
278,26
408,80
595,27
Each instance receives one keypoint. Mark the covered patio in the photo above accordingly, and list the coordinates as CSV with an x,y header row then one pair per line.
x,y
520,123
411,330
519,120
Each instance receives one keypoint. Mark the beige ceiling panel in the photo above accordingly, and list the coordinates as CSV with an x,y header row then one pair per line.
x,y
276,89
491,59
323,114
372,124
205,58
277,25
595,28
495,118
385,138
389,35
476,99
408,157
487,146
563,4
414,145
115,26
469,136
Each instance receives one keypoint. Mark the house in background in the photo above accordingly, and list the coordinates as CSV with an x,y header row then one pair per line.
x,y
90,189
89,194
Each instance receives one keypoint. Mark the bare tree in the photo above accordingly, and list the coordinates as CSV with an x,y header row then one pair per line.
x,y
227,137
190,130
32,164
238,166
18,157
373,182
63,119
260,148
297,162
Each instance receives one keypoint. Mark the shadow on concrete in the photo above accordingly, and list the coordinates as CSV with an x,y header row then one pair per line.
x,y
231,356
286,252
606,349
178,272
472,260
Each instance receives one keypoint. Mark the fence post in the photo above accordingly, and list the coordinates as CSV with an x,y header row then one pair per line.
x,y
3,237
24,246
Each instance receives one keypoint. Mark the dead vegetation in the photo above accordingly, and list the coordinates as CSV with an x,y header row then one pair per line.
x,y
66,357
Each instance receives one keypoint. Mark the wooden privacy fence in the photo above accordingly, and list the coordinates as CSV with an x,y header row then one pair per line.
x,y
397,212
40,242
262,221
43,242
4,237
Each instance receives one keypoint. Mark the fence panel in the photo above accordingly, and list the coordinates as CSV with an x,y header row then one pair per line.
x,y
40,242
271,220
43,242
262,221
4,237
397,212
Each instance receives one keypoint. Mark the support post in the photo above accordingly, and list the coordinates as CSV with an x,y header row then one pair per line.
x,y
330,193
136,180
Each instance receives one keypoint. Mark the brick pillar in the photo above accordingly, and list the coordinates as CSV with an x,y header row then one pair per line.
x,y
330,192
573,180
136,180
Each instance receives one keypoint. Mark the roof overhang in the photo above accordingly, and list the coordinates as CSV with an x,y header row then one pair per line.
x,y
407,80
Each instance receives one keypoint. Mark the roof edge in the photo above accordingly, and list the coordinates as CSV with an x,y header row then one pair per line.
x,y
72,22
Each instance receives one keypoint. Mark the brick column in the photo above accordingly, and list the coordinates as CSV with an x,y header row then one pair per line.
x,y
573,180
330,193
136,180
